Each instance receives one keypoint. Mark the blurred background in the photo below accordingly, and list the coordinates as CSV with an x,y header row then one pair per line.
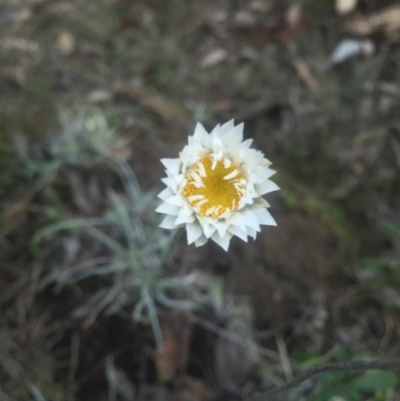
x,y
99,304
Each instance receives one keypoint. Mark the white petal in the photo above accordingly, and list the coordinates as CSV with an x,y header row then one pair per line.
x,y
222,227
215,131
251,220
209,230
201,135
172,165
170,182
252,158
246,144
184,218
178,178
218,146
266,187
208,226
235,154
239,151
176,200
185,215
260,174
223,242
237,219
235,230
226,128
201,241
252,233
270,173
235,135
265,163
168,209
226,214
193,232
168,223
165,194
264,217
262,202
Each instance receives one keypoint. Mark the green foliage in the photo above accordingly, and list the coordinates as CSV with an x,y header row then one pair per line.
x,y
288,197
133,275
375,380
307,358
7,158
373,264
40,171
393,229
43,91
350,386
296,149
86,138
372,383
382,274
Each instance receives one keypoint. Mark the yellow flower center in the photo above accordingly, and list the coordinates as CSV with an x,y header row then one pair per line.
x,y
214,186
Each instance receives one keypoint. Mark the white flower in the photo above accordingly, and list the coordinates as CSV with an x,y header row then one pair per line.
x,y
215,187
